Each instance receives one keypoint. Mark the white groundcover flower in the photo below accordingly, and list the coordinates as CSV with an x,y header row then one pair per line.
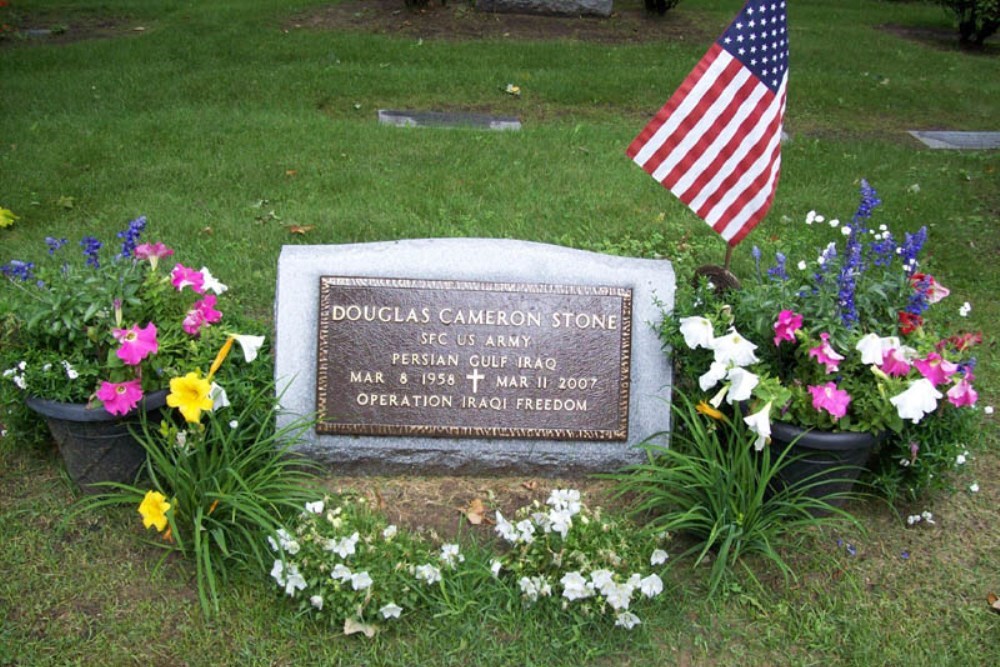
x,y
659,557
627,620
505,529
565,499
534,587
920,399
601,579
651,586
316,601
391,610
428,574
760,423
288,577
619,596
361,580
495,567
345,546
733,349
315,508
341,572
697,332
450,555
389,532
575,587
285,542
560,521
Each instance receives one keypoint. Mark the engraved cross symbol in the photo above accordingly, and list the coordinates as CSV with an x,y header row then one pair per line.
x,y
475,376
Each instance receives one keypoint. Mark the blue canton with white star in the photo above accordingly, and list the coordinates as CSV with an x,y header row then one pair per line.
x,y
758,38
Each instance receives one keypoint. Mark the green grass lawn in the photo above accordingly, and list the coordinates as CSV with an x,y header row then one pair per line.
x,y
228,127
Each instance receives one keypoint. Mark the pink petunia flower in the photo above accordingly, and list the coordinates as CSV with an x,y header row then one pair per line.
x,y
788,323
935,368
136,343
828,397
121,397
182,277
962,393
825,354
894,363
153,252
201,315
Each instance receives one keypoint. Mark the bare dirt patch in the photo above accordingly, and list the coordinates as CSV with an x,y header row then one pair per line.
x,y
629,23
38,29
944,39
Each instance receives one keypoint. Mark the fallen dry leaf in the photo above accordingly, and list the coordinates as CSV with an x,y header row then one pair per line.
x,y
994,602
530,486
352,627
206,230
301,229
291,172
475,512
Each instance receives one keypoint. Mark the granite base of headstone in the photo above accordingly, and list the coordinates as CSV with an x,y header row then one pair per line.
x,y
951,140
446,119
472,356
601,8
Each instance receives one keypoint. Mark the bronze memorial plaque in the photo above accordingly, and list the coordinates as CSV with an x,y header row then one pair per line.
x,y
473,359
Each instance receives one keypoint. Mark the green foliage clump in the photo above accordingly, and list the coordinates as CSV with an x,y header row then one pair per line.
x,y
712,486
229,482
977,19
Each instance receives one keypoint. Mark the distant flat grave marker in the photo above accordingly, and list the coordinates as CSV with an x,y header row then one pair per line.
x,y
447,120
472,356
958,140
601,8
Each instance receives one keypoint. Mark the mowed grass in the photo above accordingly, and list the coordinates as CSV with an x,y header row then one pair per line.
x,y
227,127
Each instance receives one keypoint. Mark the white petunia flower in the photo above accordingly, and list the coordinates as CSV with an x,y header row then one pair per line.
x,y
341,572
249,344
576,587
918,400
742,383
733,349
218,396
391,610
760,423
211,283
870,347
659,557
715,374
697,332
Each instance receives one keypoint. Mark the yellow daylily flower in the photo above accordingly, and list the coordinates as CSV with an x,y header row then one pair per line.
x,y
154,508
7,217
704,408
190,394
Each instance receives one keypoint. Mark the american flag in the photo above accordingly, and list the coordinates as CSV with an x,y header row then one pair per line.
x,y
716,143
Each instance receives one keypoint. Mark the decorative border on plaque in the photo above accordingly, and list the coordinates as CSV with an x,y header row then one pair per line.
x,y
325,393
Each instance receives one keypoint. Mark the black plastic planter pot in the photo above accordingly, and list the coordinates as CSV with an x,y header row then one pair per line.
x,y
829,462
95,445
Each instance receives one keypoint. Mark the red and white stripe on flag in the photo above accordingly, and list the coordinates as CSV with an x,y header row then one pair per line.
x,y
716,143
